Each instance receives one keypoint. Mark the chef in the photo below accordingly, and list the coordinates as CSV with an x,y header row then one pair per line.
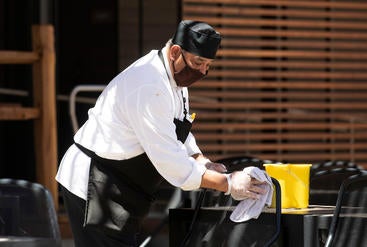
x,y
137,135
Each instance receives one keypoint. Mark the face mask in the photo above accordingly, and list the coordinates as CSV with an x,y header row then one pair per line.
x,y
187,75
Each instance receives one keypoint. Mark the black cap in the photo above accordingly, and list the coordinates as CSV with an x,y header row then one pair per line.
x,y
198,38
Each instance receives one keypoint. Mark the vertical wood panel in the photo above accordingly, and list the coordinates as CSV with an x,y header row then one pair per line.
x,y
45,100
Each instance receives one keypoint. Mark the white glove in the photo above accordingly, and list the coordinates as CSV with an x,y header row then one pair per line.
x,y
242,186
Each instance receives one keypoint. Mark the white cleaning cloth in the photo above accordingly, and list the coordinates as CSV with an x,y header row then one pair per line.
x,y
251,208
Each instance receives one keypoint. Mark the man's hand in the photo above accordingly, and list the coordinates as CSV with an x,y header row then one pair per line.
x,y
242,186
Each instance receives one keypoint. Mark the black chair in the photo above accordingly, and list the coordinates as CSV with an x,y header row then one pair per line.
x,y
332,164
326,179
27,210
348,228
237,163
207,198
226,233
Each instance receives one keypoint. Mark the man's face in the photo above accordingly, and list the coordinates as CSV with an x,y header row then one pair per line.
x,y
187,67
195,62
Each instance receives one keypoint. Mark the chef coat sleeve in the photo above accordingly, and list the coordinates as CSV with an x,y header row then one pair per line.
x,y
191,146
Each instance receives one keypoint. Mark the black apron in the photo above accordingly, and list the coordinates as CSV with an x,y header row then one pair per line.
x,y
120,192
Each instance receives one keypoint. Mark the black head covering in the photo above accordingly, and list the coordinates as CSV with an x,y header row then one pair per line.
x,y
198,38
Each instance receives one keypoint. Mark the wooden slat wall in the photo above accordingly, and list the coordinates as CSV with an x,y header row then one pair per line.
x,y
289,83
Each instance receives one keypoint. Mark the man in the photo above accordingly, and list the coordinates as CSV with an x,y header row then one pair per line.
x,y
136,135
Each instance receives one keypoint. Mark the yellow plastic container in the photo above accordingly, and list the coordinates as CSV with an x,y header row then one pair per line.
x,y
294,180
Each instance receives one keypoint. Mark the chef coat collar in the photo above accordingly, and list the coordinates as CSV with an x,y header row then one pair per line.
x,y
168,68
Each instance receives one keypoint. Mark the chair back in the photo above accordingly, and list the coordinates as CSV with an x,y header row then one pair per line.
x,y
332,164
349,223
227,233
326,179
27,209
238,163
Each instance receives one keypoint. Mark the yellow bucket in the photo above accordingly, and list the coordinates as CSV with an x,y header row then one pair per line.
x,y
294,180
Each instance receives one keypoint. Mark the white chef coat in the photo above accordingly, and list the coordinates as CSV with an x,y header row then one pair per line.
x,y
134,114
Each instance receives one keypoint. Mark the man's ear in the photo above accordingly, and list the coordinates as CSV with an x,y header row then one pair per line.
x,y
175,52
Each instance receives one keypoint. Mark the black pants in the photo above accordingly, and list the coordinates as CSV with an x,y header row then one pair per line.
x,y
87,237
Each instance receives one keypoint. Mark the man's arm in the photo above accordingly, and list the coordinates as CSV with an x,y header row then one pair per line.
x,y
214,180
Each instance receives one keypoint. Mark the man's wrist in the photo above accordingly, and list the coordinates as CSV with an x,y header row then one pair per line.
x,y
229,182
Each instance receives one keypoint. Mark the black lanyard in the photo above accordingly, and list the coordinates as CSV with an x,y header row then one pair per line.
x,y
161,57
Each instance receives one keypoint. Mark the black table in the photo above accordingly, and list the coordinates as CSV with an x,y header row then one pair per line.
x,y
300,227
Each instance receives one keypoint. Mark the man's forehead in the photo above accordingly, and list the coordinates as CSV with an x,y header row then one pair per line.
x,y
203,59
198,58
